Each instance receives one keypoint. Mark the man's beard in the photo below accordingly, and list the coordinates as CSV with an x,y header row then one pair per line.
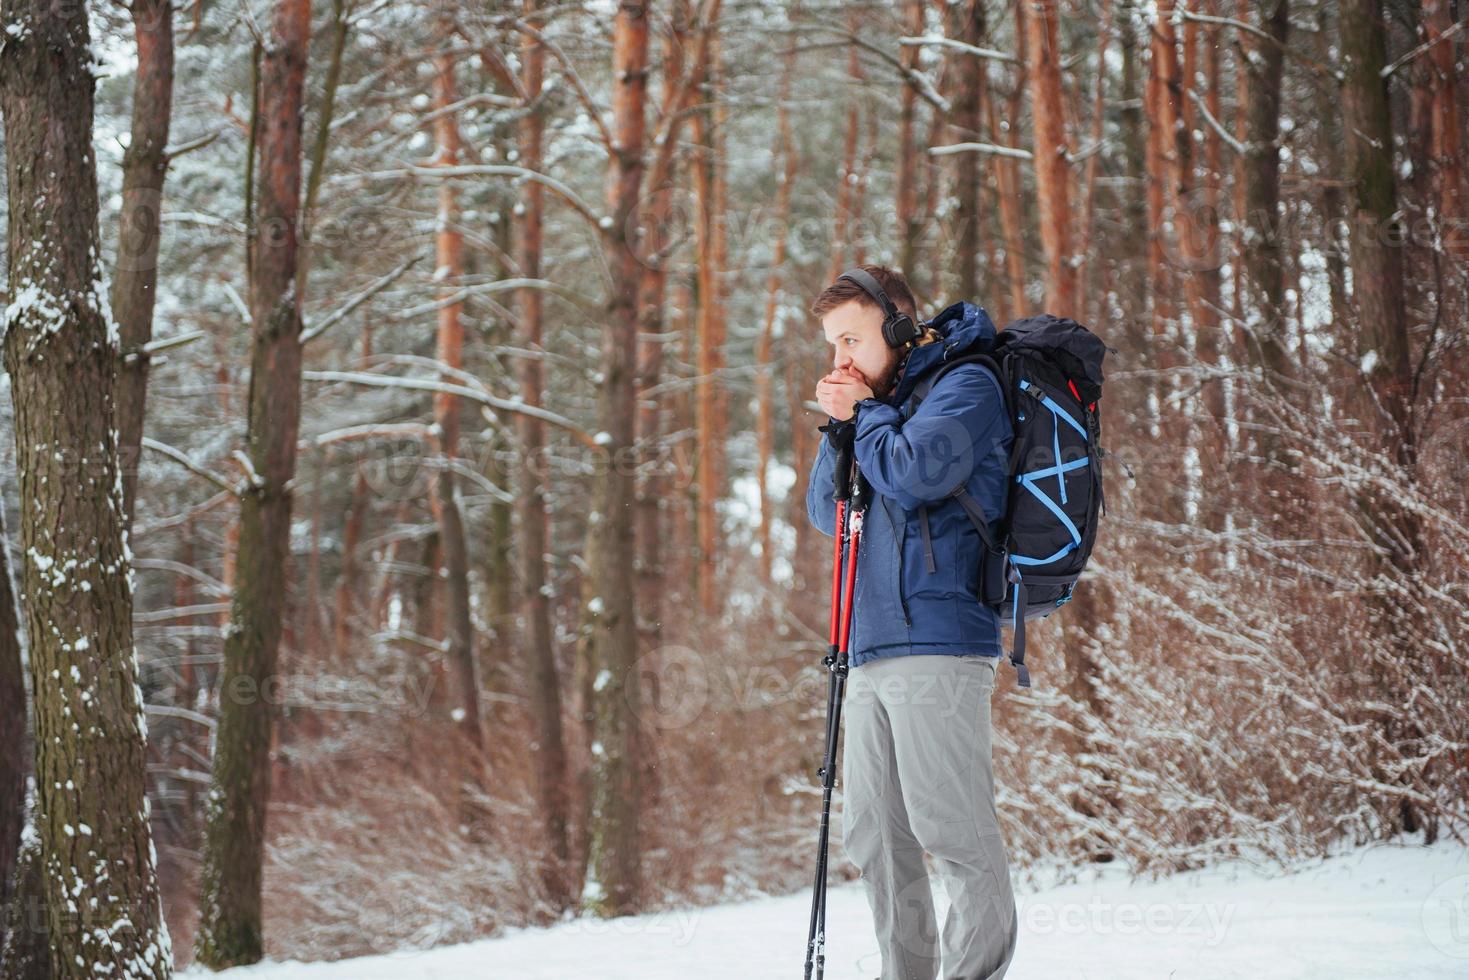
x,y
883,384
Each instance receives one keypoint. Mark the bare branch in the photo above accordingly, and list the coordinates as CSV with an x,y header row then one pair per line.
x,y
442,387
1241,148
331,319
601,222
939,41
178,457
173,152
1388,70
569,70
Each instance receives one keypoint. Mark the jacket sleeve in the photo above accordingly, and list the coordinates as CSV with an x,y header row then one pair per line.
x,y
821,510
932,454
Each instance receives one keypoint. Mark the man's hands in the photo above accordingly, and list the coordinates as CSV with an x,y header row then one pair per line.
x,y
840,391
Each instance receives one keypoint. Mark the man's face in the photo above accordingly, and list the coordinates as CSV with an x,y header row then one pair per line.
x,y
855,333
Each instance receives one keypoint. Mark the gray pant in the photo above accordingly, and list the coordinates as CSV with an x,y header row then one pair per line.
x,y
917,777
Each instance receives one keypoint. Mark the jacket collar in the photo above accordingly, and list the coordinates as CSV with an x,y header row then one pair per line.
x,y
965,328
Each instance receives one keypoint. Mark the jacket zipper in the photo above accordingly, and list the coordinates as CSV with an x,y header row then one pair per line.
x,y
901,537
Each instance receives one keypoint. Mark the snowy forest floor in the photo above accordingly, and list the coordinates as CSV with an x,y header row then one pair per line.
x,y
1396,911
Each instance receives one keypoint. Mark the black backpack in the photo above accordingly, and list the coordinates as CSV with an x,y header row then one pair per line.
x,y
1050,371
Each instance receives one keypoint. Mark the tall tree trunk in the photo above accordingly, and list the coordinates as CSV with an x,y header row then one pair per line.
x,y
682,77
1265,322
785,151
97,872
230,931
13,769
1008,190
1093,302
1213,441
539,642
449,342
1162,113
910,225
1386,366
617,815
709,184
135,280
1445,151
1052,168
344,604
967,24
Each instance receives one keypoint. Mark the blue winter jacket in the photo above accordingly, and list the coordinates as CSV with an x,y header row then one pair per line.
x,y
960,433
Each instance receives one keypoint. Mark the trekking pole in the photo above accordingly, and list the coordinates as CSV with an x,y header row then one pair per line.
x,y
848,532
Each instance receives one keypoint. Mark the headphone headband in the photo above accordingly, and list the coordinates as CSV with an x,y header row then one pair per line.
x,y
898,328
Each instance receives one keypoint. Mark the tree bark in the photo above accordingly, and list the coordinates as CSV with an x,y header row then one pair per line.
x,y
134,283
967,24
764,383
549,746
1052,169
1265,321
910,225
96,862
13,768
616,836
449,343
1386,367
712,252
230,930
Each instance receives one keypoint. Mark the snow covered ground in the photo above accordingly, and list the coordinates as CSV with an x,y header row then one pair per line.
x,y
1386,911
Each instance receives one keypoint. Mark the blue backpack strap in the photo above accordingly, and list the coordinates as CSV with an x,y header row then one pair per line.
x,y
1017,614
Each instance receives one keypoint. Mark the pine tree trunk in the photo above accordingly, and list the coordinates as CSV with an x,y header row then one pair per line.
x,y
230,923
13,768
135,280
1377,288
344,603
97,874
1213,437
539,642
967,23
764,384
1052,169
1160,108
1263,243
909,224
709,181
449,248
1008,190
616,843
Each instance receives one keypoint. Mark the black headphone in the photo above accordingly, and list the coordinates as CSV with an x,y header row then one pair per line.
x,y
898,328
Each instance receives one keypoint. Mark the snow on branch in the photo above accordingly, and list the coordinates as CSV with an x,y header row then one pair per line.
x,y
920,82
247,466
498,286
994,149
1389,69
939,41
445,388
561,190
1241,148
315,330
178,456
